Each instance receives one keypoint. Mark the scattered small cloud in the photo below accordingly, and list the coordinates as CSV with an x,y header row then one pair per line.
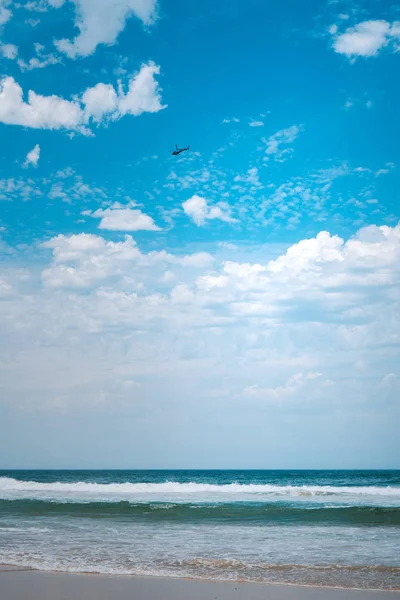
x,y
32,22
278,144
251,177
32,158
233,120
385,170
351,103
256,124
41,60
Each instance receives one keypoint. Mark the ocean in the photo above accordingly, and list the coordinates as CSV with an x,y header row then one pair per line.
x,y
334,528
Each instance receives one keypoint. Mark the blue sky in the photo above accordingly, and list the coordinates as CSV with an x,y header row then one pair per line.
x,y
236,306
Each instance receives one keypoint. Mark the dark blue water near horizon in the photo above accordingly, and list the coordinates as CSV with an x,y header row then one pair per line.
x,y
301,476
323,527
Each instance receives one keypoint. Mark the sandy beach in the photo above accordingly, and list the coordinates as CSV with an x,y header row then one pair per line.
x,y
18,584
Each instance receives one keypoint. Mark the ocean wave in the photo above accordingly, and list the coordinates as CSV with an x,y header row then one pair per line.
x,y
9,485
242,513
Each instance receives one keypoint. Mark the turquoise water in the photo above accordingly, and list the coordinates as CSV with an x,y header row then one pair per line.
x,y
339,528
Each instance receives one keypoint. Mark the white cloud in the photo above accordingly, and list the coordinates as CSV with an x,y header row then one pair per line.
x,y
98,103
197,209
251,178
32,22
38,63
81,261
233,120
366,38
40,112
85,261
9,51
351,103
256,123
143,93
101,21
64,185
326,273
294,384
5,13
277,143
32,158
104,313
325,266
41,60
198,259
117,218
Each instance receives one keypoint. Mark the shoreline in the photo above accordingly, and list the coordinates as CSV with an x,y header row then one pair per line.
x,y
10,568
17,583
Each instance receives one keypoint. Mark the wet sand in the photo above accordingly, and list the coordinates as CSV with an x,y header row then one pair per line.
x,y
18,584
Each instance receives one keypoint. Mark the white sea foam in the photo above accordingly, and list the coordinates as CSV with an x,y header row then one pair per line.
x,y
171,490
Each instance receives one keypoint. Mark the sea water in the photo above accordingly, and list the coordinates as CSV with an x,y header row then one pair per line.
x,y
336,528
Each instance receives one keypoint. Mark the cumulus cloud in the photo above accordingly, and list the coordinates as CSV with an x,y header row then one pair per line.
x,y
366,38
324,275
101,21
84,261
40,112
81,261
197,209
143,94
9,51
119,218
32,158
97,104
256,123
99,101
278,143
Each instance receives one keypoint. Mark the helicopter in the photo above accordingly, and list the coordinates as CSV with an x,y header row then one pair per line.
x,y
179,150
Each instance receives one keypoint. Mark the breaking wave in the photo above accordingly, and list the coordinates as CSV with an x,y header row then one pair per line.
x,y
10,486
